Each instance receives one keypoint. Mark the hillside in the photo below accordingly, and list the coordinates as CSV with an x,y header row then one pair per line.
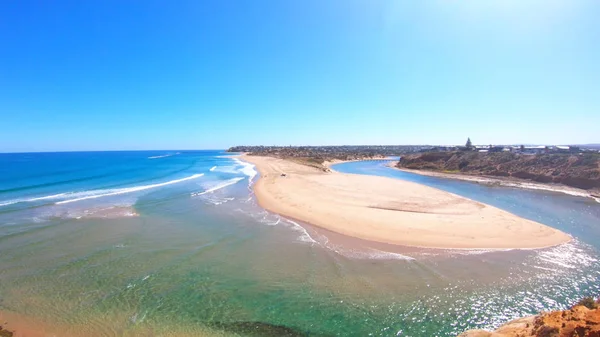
x,y
575,170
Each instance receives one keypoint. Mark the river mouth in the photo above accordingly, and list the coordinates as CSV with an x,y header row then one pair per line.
x,y
216,264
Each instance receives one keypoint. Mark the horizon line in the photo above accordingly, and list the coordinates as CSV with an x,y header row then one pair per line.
x,y
224,149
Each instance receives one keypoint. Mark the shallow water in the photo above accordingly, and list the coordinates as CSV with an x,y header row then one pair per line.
x,y
198,256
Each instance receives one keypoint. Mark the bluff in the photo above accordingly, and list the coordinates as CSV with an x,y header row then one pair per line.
x,y
582,320
575,170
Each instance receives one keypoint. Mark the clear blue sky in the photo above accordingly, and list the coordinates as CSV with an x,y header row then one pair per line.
x,y
109,75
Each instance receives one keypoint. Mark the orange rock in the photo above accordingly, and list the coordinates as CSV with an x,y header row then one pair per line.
x,y
579,321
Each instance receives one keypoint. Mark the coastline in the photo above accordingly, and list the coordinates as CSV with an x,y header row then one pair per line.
x,y
503,181
582,319
392,211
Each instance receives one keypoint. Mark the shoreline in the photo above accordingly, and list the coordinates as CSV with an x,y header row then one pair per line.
x,y
392,211
505,182
583,316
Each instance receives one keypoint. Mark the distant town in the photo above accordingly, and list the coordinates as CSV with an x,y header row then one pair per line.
x,y
345,151
571,165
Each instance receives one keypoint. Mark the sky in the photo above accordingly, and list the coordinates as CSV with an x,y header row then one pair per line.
x,y
134,75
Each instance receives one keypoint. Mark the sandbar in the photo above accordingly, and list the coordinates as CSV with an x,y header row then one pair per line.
x,y
392,211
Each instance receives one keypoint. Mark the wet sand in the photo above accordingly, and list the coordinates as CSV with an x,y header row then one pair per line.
x,y
392,211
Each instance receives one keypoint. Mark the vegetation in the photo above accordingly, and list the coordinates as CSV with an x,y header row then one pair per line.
x,y
315,156
330,152
576,170
589,303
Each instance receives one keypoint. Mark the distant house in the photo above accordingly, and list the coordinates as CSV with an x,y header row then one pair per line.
x,y
534,149
490,148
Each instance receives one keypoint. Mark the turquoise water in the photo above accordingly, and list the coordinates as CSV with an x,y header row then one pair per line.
x,y
577,216
152,243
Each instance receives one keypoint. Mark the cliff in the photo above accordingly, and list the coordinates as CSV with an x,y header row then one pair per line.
x,y
575,170
579,321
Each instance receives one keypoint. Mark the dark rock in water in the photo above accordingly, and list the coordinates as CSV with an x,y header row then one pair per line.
x,y
260,329
5,333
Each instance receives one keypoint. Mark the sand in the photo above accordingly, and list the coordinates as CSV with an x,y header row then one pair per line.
x,y
392,211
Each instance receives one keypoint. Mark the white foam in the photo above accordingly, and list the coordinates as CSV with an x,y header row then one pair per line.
x,y
47,197
304,236
232,169
218,201
163,156
105,193
240,166
247,169
117,211
475,251
55,196
10,202
372,254
218,187
212,168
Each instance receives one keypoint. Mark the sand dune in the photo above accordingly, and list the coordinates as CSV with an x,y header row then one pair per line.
x,y
391,210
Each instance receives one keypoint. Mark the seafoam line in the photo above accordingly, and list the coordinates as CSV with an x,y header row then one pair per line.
x,y
106,193
162,156
218,187
47,197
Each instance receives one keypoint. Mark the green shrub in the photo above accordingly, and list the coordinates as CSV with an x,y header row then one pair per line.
x,y
588,302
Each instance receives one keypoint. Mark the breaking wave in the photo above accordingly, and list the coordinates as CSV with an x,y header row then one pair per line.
x,y
304,235
105,193
218,187
48,197
93,194
240,166
247,169
164,155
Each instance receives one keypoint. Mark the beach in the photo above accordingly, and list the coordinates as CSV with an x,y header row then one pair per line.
x,y
178,245
392,211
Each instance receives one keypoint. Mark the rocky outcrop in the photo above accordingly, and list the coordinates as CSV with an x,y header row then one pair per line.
x,y
579,321
5,333
575,170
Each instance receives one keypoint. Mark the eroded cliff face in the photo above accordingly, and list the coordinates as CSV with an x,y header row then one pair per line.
x,y
578,321
575,170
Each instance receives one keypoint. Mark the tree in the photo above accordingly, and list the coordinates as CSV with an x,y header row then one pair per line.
x,y
469,145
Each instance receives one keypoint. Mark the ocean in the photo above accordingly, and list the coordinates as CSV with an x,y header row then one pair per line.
x,y
173,243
